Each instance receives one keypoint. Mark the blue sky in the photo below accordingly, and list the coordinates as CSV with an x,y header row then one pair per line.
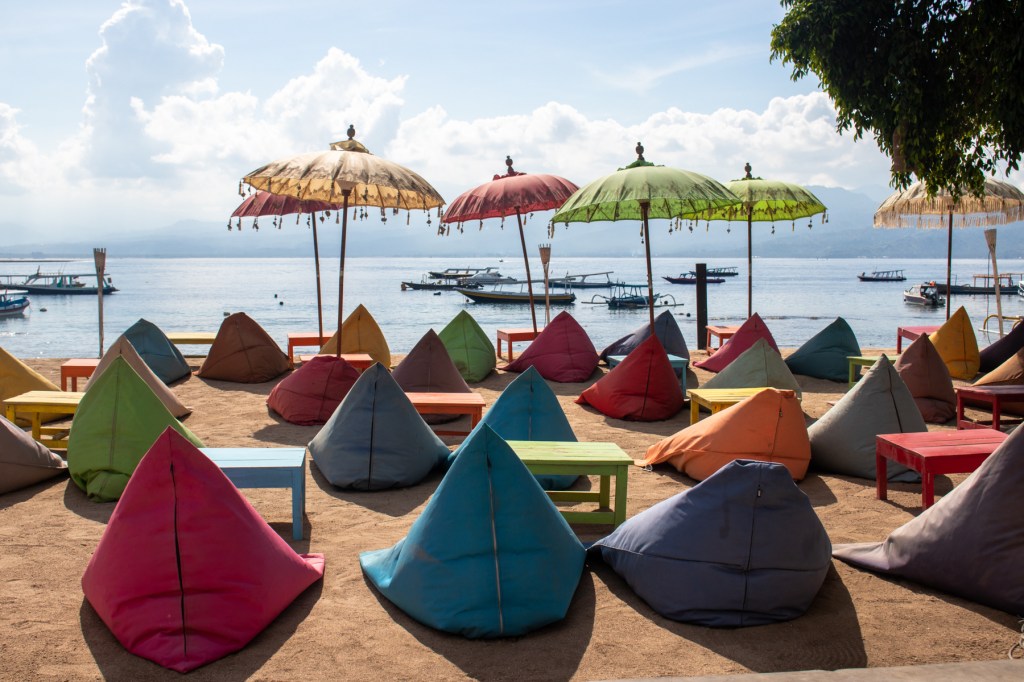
x,y
118,114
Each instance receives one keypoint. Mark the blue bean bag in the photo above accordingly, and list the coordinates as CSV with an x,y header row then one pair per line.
x,y
162,356
824,355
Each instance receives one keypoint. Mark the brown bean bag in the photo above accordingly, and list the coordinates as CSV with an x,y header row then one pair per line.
x,y
243,352
925,374
123,348
429,369
23,461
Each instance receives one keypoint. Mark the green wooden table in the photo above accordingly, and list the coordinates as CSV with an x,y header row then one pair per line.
x,y
858,361
606,460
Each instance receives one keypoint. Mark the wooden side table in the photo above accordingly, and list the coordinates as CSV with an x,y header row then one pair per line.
x,y
857,361
449,403
992,395
75,369
34,404
305,339
512,335
191,338
722,332
911,334
717,399
932,453
360,361
606,460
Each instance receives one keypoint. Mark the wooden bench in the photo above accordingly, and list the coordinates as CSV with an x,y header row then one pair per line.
x,y
674,360
449,403
512,335
994,396
301,339
932,453
75,369
858,361
606,460
34,404
360,361
722,332
267,468
191,338
911,334
717,399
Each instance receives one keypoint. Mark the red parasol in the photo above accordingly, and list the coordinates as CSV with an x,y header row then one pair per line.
x,y
512,193
261,204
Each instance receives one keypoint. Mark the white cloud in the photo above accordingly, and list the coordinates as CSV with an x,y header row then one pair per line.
x,y
642,78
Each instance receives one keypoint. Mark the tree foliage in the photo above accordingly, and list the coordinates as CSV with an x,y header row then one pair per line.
x,y
940,83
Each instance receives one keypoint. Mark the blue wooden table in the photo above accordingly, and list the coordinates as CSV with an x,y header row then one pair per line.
x,y
677,363
267,468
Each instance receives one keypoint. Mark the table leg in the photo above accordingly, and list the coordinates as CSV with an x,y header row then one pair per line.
x,y
74,383
707,344
10,414
298,500
996,410
63,381
899,341
959,411
475,417
605,498
927,489
37,426
291,354
694,411
621,479
853,374
881,476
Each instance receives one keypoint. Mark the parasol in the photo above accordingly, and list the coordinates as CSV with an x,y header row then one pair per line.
x,y
512,193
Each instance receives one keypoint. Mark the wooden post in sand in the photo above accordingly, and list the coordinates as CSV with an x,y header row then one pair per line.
x,y
990,239
100,258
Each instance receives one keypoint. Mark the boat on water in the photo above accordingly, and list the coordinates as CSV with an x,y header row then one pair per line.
x,y
57,283
629,296
731,271
459,273
499,294
489,277
13,302
984,285
883,276
691,278
926,294
581,281
426,284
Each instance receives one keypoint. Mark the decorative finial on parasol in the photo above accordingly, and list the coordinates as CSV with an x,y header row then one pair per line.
x,y
508,164
640,152
351,131
748,168
351,144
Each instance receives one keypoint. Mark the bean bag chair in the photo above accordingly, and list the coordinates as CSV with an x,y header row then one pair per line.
x,y
376,440
312,393
927,379
665,328
957,344
489,556
749,332
527,410
429,369
122,348
742,548
470,349
643,387
768,426
1010,373
243,352
16,378
1001,350
824,355
360,334
562,352
186,571
23,461
969,543
843,440
759,365
162,356
116,423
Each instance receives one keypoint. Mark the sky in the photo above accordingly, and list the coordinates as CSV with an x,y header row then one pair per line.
x,y
116,115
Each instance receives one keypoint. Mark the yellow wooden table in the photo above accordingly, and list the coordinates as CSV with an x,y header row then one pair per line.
x,y
717,399
192,338
859,361
34,404
567,458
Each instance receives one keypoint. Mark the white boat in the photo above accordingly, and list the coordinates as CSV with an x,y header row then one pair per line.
x,y
926,294
13,302
486,278
56,283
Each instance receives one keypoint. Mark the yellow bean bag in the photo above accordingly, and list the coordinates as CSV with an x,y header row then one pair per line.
x,y
360,333
16,378
958,346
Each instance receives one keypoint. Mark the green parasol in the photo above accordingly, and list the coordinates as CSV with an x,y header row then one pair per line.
x,y
765,201
641,191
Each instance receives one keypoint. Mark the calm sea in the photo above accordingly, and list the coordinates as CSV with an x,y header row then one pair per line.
x,y
796,297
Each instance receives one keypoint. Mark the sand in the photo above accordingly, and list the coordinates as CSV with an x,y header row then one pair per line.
x,y
343,629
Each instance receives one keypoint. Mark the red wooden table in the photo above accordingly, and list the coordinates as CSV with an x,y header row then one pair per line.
x,y
992,395
932,453
514,334
723,332
75,369
449,403
911,334
305,339
360,361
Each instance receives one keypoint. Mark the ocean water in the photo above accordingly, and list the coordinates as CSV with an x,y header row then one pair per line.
x,y
796,297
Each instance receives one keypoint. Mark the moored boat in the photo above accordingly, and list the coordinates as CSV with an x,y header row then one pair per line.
x,y
58,283
691,278
630,296
499,295
926,294
730,271
13,302
458,273
984,285
436,285
883,276
581,281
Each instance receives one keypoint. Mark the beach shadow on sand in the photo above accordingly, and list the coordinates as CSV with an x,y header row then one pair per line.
x,y
14,497
79,503
395,502
827,637
116,663
553,652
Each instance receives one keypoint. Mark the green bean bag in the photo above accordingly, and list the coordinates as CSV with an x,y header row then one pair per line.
x,y
824,355
470,349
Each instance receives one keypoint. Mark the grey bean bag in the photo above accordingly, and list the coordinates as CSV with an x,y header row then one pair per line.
x,y
23,461
759,365
665,328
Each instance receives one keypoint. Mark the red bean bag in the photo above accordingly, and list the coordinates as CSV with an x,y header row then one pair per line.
x,y
186,571
562,352
749,332
643,387
311,394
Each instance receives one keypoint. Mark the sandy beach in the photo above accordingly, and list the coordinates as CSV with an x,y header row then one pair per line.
x,y
341,628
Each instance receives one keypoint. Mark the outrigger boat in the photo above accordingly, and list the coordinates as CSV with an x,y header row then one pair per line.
x,y
691,278
13,302
57,283
926,294
581,282
730,271
883,276
499,295
984,285
459,273
437,285
632,296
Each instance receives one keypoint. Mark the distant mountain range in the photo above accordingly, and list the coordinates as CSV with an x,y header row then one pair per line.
x,y
847,234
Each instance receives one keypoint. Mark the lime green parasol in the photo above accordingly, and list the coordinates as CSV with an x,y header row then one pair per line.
x,y
765,201
641,191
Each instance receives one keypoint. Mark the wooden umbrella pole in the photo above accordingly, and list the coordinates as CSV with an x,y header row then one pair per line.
x,y
949,262
644,209
341,268
316,265
526,262
750,262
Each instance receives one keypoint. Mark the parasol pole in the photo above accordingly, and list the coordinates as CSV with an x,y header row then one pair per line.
x,y
990,239
750,261
100,258
949,261
319,296
526,261
341,269
644,210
